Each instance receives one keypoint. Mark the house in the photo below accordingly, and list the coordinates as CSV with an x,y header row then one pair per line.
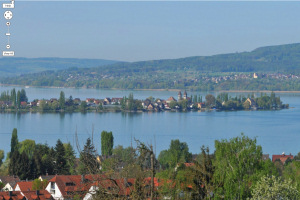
x,y
23,103
255,75
169,100
33,103
53,100
200,105
282,157
97,101
116,100
37,195
120,187
150,107
23,186
5,103
9,182
166,106
89,100
251,103
39,102
12,195
67,186
77,101
146,103
107,101
46,177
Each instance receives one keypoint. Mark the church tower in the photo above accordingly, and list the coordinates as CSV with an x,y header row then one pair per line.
x,y
179,96
184,95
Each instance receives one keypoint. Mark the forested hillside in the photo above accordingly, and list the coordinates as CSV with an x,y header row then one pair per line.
x,y
16,66
278,68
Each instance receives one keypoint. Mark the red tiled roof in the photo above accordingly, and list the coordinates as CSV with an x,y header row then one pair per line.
x,y
282,157
42,195
24,186
189,164
171,99
12,195
72,184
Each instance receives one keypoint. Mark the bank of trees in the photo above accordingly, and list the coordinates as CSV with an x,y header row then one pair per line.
x,y
14,98
235,170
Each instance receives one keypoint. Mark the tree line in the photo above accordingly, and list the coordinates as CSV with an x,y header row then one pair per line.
x,y
235,170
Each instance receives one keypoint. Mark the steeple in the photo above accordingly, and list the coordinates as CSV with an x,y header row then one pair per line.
x,y
179,96
185,95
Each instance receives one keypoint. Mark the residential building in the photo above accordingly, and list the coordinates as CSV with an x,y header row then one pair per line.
x,y
282,157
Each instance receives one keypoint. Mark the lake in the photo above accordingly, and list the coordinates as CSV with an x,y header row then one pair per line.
x,y
276,131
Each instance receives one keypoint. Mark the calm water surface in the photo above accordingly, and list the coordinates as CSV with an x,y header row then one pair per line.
x,y
276,131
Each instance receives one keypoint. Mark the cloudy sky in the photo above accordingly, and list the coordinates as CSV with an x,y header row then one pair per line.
x,y
134,31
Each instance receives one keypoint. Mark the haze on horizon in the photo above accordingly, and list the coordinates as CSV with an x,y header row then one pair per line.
x,y
135,31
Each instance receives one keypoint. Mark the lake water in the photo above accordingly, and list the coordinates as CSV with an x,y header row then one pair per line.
x,y
276,131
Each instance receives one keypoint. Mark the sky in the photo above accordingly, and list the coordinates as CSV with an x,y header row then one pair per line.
x,y
135,31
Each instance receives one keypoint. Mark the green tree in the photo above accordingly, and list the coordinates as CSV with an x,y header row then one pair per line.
x,y
177,153
210,100
13,97
1,157
88,159
60,159
202,174
27,146
14,163
70,158
14,144
126,155
62,100
23,96
237,163
83,106
273,188
107,143
37,184
20,165
18,99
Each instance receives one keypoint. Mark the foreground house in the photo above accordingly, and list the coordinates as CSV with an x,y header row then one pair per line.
x,y
11,195
119,187
28,195
37,195
70,186
9,182
23,186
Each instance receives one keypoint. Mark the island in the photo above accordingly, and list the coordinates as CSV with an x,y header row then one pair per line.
x,y
12,101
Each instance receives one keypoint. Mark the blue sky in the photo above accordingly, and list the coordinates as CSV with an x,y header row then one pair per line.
x,y
134,31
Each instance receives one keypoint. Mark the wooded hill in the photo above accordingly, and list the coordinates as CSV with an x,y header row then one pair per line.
x,y
198,73
16,66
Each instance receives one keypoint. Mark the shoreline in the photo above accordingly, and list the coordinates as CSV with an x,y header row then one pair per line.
x,y
172,90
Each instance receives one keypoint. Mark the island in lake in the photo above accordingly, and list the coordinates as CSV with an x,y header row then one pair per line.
x,y
12,101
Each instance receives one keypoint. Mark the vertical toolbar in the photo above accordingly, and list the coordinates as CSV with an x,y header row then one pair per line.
x,y
8,16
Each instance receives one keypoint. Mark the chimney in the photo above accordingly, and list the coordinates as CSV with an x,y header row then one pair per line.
x,y
82,178
10,193
37,193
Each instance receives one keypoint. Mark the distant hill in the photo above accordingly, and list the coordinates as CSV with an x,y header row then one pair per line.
x,y
16,66
281,58
218,72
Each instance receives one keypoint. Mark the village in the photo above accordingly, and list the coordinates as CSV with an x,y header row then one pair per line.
x,y
11,102
60,187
